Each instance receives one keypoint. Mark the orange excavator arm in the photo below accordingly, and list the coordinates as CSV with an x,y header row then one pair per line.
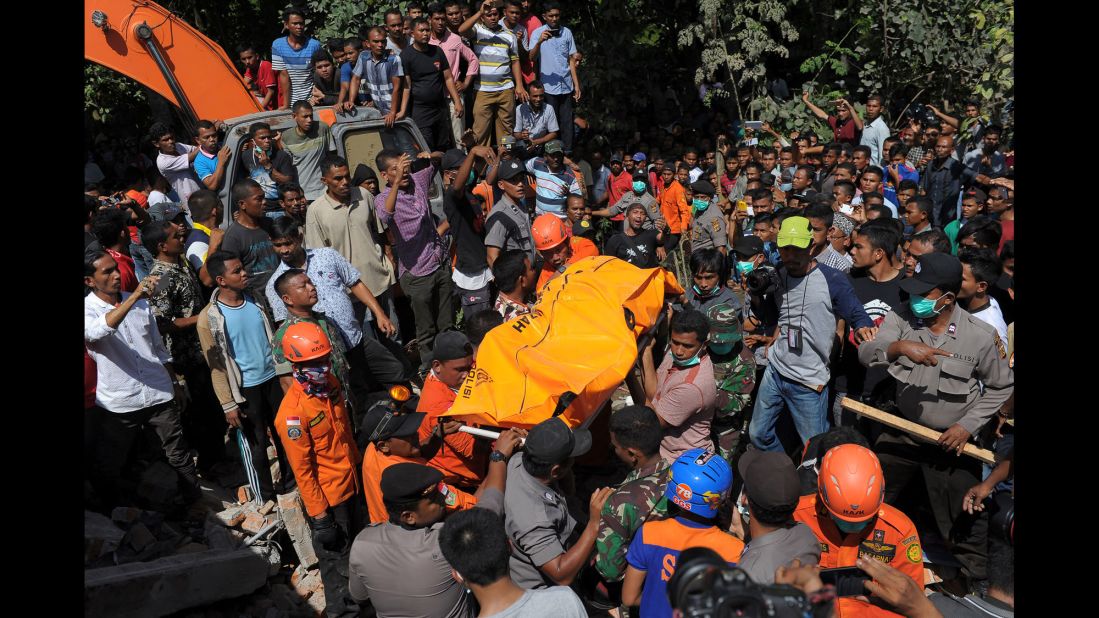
x,y
147,43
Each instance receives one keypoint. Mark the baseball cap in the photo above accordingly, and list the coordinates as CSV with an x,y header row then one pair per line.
x,y
554,146
703,187
407,481
724,323
450,345
381,423
978,193
933,270
616,157
510,169
641,174
795,232
453,158
164,211
639,156
583,228
552,441
748,246
363,173
770,480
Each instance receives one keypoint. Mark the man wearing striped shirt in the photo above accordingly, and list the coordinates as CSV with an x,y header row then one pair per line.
x,y
498,54
554,181
292,58
382,72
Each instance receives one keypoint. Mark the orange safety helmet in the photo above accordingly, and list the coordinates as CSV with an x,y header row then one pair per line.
x,y
305,341
851,483
548,231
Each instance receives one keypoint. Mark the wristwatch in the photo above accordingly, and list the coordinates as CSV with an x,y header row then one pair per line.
x,y
497,456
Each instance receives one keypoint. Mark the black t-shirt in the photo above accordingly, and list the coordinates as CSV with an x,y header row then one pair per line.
x,y
878,299
638,250
466,215
425,70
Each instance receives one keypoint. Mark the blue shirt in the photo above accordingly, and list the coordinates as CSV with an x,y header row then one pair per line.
x,y
248,343
205,165
346,71
378,75
332,274
552,188
553,58
298,64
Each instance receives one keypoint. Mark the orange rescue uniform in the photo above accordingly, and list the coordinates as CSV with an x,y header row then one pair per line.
x,y
319,444
375,462
461,459
892,540
581,248
674,207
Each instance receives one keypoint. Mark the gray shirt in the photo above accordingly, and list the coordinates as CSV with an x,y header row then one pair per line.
x,y
873,135
508,227
652,208
762,556
555,602
403,571
537,521
537,123
708,229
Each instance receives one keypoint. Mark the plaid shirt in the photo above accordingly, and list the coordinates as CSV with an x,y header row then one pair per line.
x,y
378,75
417,244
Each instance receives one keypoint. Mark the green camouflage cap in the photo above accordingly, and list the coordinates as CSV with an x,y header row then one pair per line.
x,y
724,323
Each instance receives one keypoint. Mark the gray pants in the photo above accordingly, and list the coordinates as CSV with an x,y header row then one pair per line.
x,y
432,298
385,299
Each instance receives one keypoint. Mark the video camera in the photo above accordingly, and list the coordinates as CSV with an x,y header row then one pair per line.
x,y
763,280
705,586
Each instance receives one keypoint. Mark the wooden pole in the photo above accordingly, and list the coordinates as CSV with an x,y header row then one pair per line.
x,y
925,434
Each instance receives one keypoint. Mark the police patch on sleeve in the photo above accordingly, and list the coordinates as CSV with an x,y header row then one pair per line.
x,y
1000,345
914,553
294,433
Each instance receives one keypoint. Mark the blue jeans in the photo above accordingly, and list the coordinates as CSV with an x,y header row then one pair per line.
x,y
808,408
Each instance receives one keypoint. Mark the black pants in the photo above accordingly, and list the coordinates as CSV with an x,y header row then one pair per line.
x,y
433,124
374,367
263,401
432,299
562,107
203,420
947,477
115,436
333,562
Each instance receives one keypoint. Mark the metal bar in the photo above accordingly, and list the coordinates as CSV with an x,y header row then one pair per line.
x,y
145,35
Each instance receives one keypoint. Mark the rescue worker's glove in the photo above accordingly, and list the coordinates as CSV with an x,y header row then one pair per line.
x,y
327,533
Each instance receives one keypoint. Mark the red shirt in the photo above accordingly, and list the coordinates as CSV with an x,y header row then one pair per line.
x,y
1007,232
262,81
617,186
530,23
126,269
847,134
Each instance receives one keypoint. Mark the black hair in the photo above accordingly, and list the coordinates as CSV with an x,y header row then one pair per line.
x,y
292,11
535,83
820,211
206,124
256,127
1008,252
770,517
154,233
709,261
320,55
846,186
906,184
808,168
287,187
691,321
862,149
759,194
475,544
898,149
384,158
766,150
421,20
937,238
215,262
335,43
849,166
396,507
1000,565
789,149
283,280
90,258
984,229
637,427
763,217
332,161
924,204
876,97
353,42
873,169
393,11
983,263
755,164
91,206
243,47
131,176
242,189
202,203
838,437
478,325
415,5
536,467
847,150
994,128
508,268
874,195
285,227
552,4
880,234
108,225
300,105
92,186
834,147
159,130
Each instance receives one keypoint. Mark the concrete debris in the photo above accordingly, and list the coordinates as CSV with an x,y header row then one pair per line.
x,y
254,522
159,486
125,515
232,516
139,537
244,494
191,548
267,507
293,515
217,535
101,536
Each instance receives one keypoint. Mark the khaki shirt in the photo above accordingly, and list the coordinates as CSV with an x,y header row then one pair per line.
x,y
652,208
946,393
708,229
537,521
355,232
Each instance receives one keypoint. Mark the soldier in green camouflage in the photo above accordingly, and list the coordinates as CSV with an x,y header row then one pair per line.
x,y
735,374
635,433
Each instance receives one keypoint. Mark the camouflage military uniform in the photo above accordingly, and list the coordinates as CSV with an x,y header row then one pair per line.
x,y
638,499
736,379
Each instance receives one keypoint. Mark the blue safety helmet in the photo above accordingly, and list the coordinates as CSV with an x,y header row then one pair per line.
x,y
700,482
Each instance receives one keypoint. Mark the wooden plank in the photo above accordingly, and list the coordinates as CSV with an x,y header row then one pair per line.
x,y
925,434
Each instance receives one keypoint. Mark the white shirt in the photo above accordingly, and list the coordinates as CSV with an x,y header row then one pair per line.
x,y
992,316
129,360
873,135
177,169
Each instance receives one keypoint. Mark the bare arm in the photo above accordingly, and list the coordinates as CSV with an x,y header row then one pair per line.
x,y
564,568
950,120
491,253
467,26
818,112
517,75
284,88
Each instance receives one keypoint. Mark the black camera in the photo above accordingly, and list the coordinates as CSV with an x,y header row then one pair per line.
x,y
922,114
705,586
762,280
1001,517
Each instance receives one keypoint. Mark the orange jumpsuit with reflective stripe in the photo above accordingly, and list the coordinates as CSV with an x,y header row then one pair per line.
x,y
891,539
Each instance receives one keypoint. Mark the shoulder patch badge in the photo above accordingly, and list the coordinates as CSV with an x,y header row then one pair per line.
x,y
294,433
914,553
317,420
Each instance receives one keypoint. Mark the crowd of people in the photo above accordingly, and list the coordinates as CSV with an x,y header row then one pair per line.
x,y
329,311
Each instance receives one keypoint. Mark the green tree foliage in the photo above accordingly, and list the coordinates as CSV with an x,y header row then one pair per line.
x,y
109,97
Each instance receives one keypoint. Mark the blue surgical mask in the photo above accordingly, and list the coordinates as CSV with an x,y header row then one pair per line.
x,y
638,186
700,205
786,186
848,527
472,177
721,349
923,307
690,362
745,267
699,293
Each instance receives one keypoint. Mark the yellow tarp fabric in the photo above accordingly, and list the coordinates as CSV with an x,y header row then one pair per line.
x,y
577,339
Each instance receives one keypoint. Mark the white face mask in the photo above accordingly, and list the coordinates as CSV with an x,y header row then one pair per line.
x,y
742,506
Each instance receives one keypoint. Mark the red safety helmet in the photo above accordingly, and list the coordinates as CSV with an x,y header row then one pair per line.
x,y
548,231
851,483
305,341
